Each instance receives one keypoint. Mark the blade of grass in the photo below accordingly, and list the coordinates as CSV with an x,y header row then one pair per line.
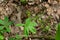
x,y
58,33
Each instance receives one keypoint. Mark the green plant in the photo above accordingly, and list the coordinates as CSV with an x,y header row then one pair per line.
x,y
28,26
47,28
23,1
57,37
1,37
4,25
28,13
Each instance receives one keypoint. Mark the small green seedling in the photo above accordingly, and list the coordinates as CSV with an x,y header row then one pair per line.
x,y
29,26
4,25
58,33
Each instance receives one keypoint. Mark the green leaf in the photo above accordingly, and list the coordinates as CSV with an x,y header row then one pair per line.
x,y
47,28
18,37
33,24
1,37
26,31
58,33
8,29
20,24
2,32
10,23
27,22
12,38
1,22
23,1
6,19
29,26
28,19
1,27
5,25
32,29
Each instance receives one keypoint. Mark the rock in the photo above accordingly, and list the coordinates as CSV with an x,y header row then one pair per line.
x,y
31,2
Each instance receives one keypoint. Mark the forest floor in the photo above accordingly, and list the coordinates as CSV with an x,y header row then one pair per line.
x,y
46,13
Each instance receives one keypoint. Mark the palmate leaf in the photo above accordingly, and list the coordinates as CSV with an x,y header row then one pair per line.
x,y
5,24
29,26
58,33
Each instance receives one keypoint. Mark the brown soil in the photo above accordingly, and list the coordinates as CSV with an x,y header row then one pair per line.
x,y
43,9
